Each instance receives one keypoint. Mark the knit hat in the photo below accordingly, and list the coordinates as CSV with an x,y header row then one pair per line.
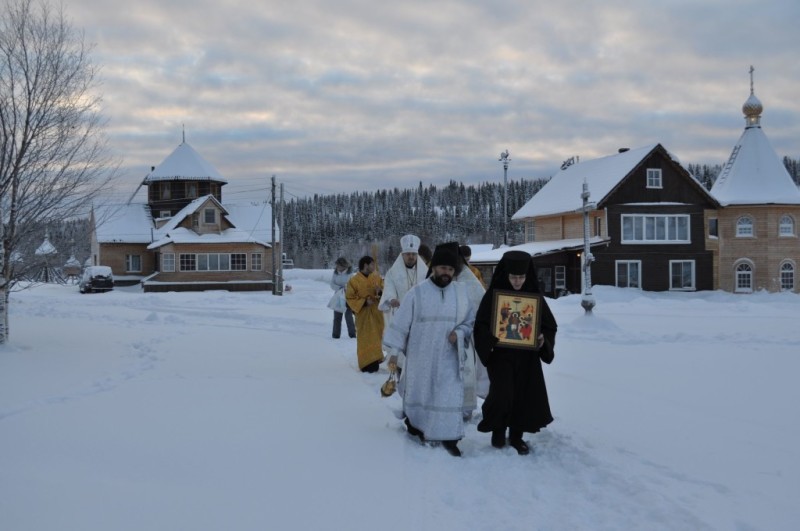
x,y
409,244
516,262
446,254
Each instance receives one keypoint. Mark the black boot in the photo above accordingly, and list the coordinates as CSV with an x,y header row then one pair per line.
x,y
516,442
499,438
414,432
372,367
452,448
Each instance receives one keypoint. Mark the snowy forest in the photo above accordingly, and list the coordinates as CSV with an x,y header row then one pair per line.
x,y
321,228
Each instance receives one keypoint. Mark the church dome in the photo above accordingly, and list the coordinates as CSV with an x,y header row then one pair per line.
x,y
752,109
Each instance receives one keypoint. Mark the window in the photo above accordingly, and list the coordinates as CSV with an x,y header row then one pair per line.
x,y
166,190
545,275
654,178
214,262
598,225
744,278
239,262
256,260
188,262
629,273
561,277
133,263
165,214
655,228
713,227
530,231
195,220
168,262
209,216
787,276
744,227
786,226
191,189
681,274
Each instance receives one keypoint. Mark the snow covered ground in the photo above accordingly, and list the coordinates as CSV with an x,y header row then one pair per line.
x,y
237,411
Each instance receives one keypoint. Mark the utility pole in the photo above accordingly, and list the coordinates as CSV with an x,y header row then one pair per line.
x,y
280,227
505,160
274,266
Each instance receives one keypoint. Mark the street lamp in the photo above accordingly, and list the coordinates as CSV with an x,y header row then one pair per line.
x,y
505,160
587,300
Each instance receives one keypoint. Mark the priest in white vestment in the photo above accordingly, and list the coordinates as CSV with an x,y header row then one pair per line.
x,y
406,272
427,327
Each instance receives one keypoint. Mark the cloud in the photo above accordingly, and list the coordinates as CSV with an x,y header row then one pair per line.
x,y
352,95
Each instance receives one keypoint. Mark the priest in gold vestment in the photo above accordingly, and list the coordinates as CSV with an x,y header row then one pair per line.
x,y
362,294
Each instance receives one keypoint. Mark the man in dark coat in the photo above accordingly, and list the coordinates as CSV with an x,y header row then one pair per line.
x,y
517,398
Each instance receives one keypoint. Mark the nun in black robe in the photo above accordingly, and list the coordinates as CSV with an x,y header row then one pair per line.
x,y
517,398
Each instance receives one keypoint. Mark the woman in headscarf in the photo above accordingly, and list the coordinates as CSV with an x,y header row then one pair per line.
x,y
517,399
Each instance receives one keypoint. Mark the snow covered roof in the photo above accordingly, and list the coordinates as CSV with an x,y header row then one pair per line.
x,y
563,192
184,164
133,224
46,248
533,248
754,174
251,224
130,223
188,210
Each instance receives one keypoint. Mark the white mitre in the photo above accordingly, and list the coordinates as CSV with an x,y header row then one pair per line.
x,y
409,243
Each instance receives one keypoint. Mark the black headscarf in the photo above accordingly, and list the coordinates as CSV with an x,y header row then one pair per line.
x,y
515,263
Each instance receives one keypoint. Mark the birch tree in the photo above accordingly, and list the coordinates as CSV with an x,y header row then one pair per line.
x,y
53,155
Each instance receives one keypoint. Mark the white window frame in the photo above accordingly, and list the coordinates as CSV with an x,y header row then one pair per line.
x,y
786,226
560,277
165,214
627,264
682,264
216,261
745,227
168,262
256,261
210,216
656,229
787,275
743,277
654,178
530,230
133,263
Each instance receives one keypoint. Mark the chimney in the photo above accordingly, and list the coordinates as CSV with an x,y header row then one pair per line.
x,y
623,150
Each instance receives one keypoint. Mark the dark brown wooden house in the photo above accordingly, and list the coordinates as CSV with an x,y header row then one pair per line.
x,y
648,225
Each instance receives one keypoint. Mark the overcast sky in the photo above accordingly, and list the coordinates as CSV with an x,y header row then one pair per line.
x,y
337,96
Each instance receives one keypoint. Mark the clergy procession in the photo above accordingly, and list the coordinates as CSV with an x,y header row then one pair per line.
x,y
448,339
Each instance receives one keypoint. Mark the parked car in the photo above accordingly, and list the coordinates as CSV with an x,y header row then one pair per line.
x,y
96,278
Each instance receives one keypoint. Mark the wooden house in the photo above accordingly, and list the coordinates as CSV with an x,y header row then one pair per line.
x,y
647,225
185,237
